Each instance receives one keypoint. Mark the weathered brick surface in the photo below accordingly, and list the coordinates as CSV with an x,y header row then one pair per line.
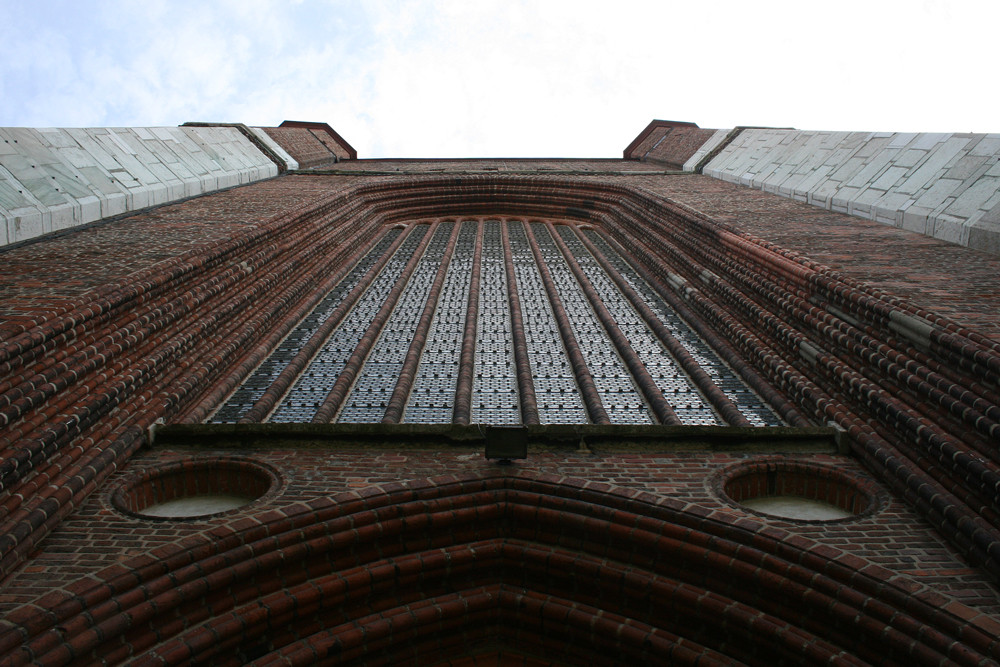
x,y
42,279
99,535
331,144
356,529
658,131
94,366
650,140
676,147
326,135
956,282
492,165
304,145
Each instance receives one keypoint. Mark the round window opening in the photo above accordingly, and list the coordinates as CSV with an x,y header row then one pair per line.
x,y
800,491
195,488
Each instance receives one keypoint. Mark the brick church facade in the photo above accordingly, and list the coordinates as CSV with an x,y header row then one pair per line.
x,y
264,402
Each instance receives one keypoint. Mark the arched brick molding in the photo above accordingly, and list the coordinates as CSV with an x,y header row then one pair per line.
x,y
775,476
189,478
914,391
433,568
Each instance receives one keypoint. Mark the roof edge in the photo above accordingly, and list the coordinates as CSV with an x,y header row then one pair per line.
x,y
352,154
653,125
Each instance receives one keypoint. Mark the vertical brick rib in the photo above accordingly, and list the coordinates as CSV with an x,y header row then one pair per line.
x,y
66,474
139,367
591,399
654,397
142,354
166,315
114,312
401,392
280,386
948,508
331,404
933,438
788,411
952,398
165,335
722,403
785,289
525,382
253,357
467,364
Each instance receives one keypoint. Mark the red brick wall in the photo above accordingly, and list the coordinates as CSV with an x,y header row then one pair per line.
x,y
678,146
672,146
94,366
674,133
607,167
304,145
649,141
51,276
891,535
945,278
324,513
331,144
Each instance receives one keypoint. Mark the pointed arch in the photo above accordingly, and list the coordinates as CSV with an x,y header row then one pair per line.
x,y
389,572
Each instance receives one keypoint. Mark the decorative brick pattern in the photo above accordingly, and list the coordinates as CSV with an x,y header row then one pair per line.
x,y
431,554
338,548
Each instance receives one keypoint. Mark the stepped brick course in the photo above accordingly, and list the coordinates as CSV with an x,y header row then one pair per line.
x,y
890,535
428,554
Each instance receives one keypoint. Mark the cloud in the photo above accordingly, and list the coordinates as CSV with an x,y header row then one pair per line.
x,y
405,78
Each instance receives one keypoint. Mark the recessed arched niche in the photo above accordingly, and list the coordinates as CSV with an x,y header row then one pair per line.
x,y
196,488
799,490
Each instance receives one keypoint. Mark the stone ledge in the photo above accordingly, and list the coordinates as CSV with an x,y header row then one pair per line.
x,y
56,179
777,439
942,185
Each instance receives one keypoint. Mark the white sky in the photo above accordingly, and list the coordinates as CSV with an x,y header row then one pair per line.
x,y
478,78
